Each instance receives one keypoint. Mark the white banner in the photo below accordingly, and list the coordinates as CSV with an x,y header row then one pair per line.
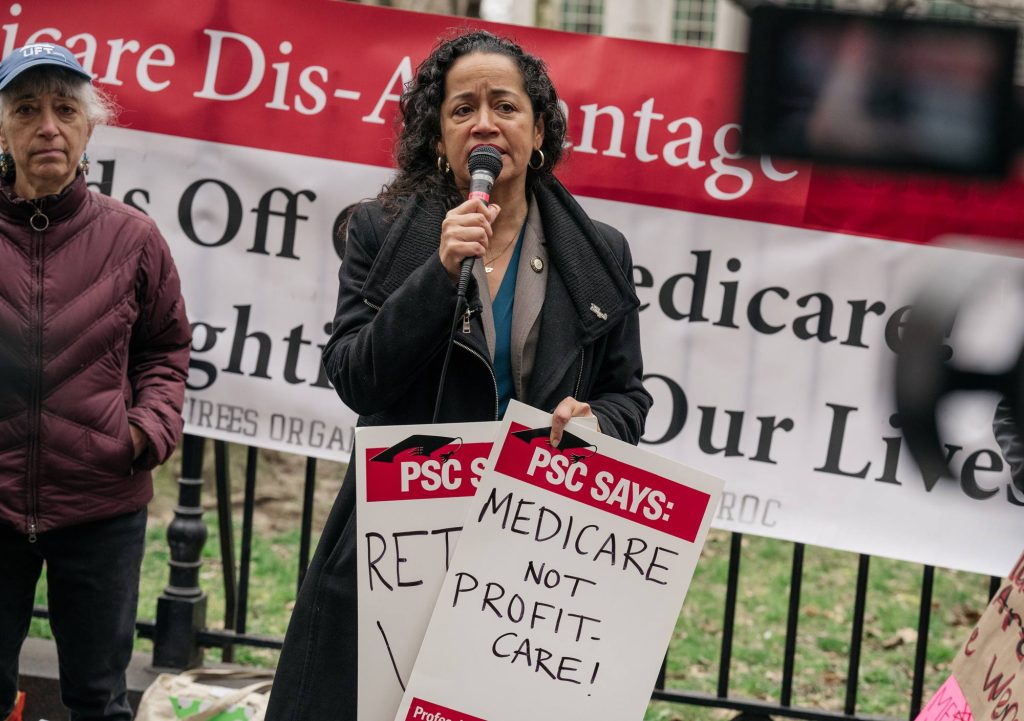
x,y
795,410
252,236
773,293
770,352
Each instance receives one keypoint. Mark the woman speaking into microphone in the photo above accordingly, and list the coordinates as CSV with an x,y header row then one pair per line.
x,y
552,316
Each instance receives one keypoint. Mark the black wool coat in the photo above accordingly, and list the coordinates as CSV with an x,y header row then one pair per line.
x,y
395,309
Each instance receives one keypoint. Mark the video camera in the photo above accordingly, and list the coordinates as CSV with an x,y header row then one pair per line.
x,y
905,94
880,90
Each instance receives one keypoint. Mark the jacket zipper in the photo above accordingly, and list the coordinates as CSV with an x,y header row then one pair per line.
x,y
36,391
465,325
467,316
579,378
494,378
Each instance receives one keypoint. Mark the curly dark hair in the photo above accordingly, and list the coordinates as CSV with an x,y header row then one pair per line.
x,y
420,119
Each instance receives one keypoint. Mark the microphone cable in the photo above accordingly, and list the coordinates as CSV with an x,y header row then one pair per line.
x,y
484,167
461,306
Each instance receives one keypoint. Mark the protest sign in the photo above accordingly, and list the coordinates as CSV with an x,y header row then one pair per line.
x,y
413,486
990,665
567,582
948,704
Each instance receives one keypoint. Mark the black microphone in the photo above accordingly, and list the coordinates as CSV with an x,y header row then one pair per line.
x,y
484,167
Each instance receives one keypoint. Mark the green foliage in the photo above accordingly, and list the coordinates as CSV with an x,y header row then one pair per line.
x,y
824,629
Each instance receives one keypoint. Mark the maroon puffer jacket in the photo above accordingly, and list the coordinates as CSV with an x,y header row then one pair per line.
x,y
93,335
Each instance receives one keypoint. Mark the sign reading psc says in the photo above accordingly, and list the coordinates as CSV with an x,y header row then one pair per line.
x,y
566,584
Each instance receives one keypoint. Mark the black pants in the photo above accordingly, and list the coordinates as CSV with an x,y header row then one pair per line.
x,y
92,573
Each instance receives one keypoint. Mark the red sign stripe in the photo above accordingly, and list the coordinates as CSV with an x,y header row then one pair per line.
x,y
607,484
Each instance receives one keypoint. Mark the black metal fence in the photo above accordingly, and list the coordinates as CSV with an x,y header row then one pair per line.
x,y
180,631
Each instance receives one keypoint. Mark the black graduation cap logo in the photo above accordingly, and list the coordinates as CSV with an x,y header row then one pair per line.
x,y
572,445
422,445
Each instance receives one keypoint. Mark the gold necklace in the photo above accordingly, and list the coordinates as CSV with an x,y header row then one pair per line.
x,y
489,264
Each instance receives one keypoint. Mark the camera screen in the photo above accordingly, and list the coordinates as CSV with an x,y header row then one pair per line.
x,y
879,91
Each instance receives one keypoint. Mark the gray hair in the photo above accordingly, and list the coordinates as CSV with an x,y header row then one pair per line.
x,y
99,108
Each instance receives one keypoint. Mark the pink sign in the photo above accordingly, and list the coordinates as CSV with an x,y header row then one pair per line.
x,y
948,704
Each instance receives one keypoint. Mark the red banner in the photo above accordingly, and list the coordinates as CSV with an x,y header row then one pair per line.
x,y
650,123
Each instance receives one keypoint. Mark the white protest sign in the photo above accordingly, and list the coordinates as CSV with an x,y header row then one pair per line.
x,y
413,487
567,582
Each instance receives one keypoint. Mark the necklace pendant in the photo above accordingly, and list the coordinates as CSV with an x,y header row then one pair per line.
x,y
488,268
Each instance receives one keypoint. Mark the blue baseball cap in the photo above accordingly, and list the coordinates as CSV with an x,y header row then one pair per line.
x,y
35,55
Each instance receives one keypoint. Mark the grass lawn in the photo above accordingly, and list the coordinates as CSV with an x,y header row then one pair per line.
x,y
824,631
826,606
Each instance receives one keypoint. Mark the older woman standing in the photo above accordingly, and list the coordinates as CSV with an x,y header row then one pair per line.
x,y
93,358
552,318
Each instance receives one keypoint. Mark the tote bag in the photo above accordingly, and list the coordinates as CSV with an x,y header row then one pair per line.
x,y
184,697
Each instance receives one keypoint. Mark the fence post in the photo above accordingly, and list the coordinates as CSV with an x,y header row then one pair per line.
x,y
181,608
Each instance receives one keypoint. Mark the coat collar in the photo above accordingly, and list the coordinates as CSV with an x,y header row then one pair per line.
x,y
56,207
597,289
410,242
596,284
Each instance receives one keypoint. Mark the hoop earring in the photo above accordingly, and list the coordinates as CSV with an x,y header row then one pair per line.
x,y
83,164
443,170
540,163
6,164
